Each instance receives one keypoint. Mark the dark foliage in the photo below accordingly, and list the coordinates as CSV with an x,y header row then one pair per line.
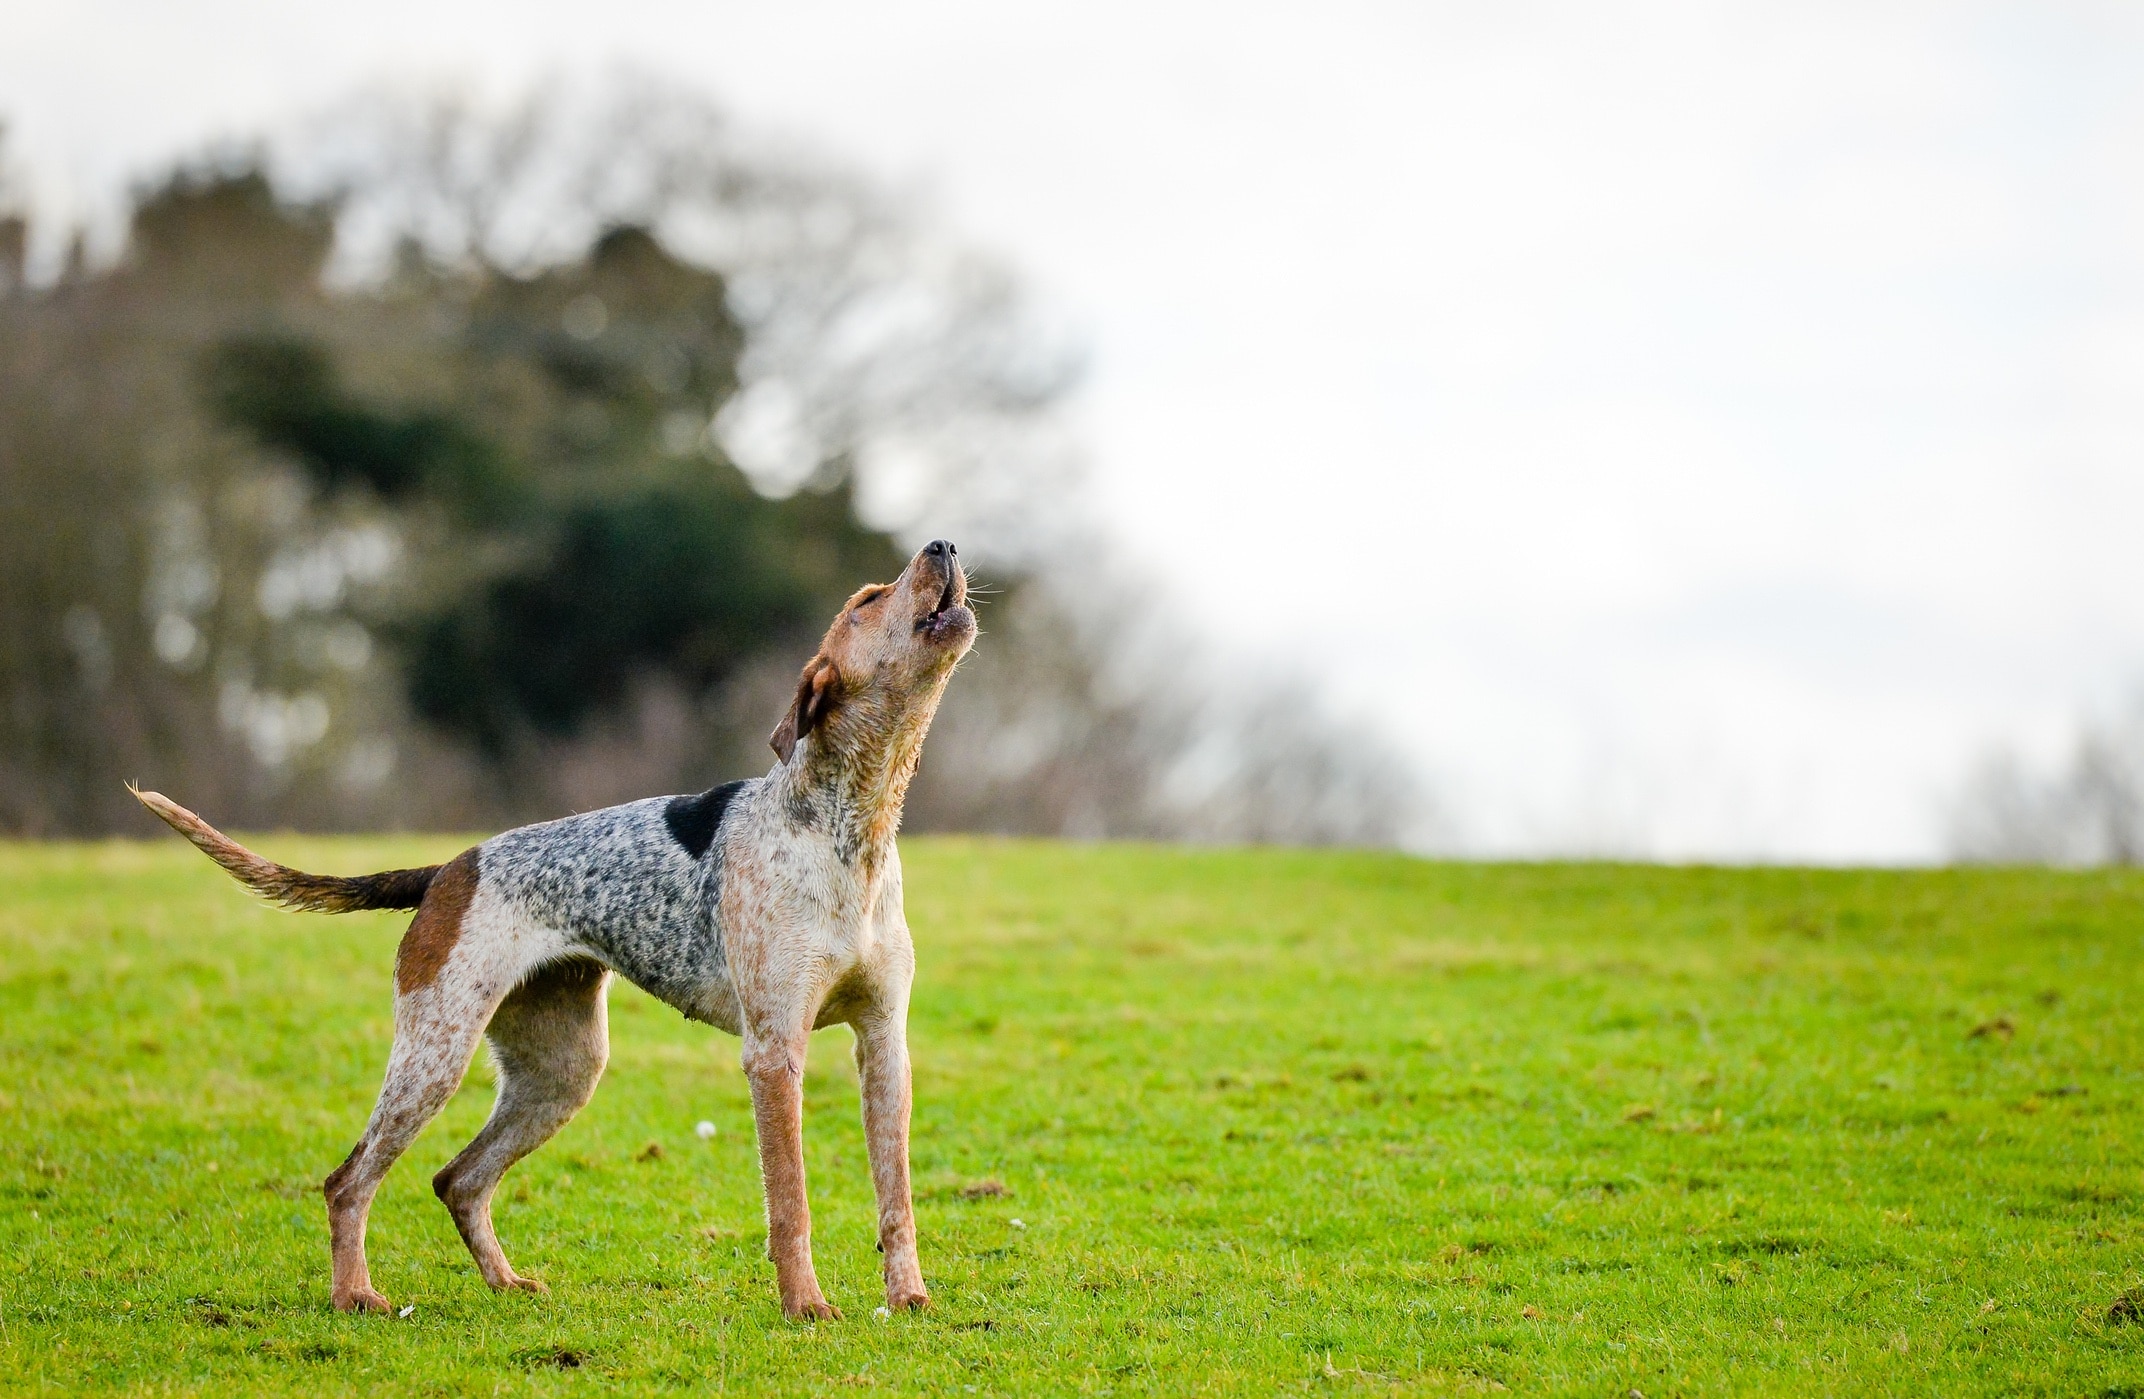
x,y
285,391
565,527
625,555
690,577
213,232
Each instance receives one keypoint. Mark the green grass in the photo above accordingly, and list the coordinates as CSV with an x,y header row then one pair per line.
x,y
1271,1121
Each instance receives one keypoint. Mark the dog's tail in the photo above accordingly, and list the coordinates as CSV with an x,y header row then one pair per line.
x,y
315,893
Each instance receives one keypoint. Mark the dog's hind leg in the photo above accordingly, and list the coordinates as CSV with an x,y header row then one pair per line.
x,y
436,1031
550,1039
450,975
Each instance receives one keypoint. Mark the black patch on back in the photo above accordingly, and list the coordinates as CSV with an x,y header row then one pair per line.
x,y
693,821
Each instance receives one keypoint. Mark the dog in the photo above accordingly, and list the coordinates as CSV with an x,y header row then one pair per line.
x,y
769,908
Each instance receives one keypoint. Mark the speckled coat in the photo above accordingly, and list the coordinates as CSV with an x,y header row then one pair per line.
x,y
768,907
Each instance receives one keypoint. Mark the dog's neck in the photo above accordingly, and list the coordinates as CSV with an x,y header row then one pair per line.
x,y
850,776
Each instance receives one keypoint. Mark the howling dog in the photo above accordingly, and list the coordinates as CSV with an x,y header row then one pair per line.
x,y
769,908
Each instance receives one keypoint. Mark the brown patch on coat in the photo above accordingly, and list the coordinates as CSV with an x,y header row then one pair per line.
x,y
438,924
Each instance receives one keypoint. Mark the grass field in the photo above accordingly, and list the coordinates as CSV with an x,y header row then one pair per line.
x,y
1265,1121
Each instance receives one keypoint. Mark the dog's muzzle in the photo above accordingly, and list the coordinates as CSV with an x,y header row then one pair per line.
x,y
949,617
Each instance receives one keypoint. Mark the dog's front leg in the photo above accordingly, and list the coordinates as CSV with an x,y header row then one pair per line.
x,y
775,1067
882,1068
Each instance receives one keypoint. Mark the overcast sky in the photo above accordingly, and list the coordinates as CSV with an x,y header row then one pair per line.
x,y
1691,430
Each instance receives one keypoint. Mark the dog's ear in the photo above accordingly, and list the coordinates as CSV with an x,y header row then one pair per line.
x,y
817,689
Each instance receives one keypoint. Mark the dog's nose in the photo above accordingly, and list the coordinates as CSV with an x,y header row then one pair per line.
x,y
940,549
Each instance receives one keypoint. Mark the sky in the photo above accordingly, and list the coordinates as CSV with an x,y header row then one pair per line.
x,y
1689,431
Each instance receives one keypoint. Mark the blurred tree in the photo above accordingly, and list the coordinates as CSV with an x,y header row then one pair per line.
x,y
624,544
286,391
220,236
2090,813
126,535
480,465
577,530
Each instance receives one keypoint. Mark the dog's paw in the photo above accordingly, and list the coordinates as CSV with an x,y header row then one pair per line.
x,y
907,1299
811,1309
520,1284
362,1299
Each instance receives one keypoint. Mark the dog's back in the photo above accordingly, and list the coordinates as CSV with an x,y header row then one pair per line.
x,y
636,886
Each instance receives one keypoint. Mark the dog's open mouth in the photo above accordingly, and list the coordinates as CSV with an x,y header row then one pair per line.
x,y
942,618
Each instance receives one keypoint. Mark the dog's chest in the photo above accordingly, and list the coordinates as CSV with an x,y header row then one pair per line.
x,y
812,906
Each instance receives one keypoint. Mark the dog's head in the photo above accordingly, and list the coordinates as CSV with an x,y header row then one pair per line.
x,y
889,650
